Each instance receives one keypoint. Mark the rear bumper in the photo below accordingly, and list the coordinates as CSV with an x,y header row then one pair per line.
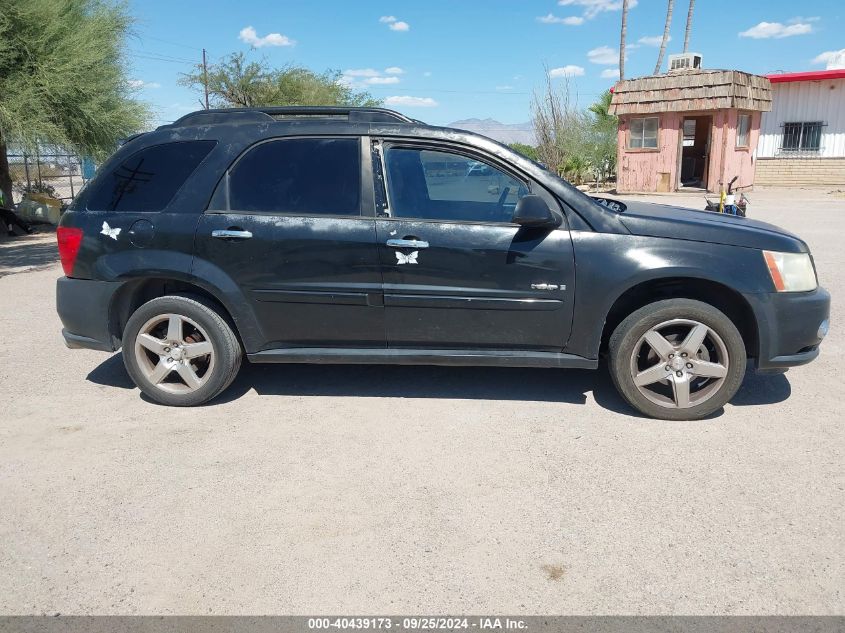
x,y
83,306
791,326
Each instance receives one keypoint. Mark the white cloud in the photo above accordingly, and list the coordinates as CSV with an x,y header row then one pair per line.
x,y
361,77
593,7
572,20
504,88
394,24
610,73
372,72
571,70
139,84
833,60
361,72
766,30
605,56
411,102
249,35
653,40
380,81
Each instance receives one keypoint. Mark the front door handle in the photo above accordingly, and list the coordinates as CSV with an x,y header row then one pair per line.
x,y
407,243
230,234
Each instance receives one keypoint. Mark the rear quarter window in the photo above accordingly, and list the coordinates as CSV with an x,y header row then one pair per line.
x,y
148,179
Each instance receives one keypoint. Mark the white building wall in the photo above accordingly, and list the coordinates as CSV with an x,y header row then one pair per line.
x,y
805,101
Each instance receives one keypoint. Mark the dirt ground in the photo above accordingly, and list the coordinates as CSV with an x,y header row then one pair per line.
x,y
312,489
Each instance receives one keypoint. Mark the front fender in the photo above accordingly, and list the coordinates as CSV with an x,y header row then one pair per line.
x,y
608,265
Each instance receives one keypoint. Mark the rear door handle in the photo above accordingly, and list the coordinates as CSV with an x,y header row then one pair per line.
x,y
407,244
229,234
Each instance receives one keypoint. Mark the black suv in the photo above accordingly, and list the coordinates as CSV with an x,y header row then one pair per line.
x,y
346,235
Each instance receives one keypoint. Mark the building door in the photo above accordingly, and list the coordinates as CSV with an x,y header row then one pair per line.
x,y
695,151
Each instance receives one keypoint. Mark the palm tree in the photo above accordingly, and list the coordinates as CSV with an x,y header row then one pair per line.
x,y
622,39
601,111
665,36
689,25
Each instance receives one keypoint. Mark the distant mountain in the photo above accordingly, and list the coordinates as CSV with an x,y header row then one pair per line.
x,y
502,132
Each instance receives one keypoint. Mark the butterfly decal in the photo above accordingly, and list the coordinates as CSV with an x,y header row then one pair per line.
x,y
410,258
109,232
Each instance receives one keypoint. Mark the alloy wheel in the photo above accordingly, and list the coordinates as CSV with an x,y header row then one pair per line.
x,y
680,363
174,353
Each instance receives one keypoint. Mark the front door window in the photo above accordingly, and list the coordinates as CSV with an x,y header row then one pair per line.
x,y
435,185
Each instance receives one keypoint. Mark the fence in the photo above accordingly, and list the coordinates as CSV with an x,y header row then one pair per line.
x,y
47,169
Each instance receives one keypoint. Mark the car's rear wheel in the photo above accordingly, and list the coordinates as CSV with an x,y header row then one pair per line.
x,y
180,351
677,359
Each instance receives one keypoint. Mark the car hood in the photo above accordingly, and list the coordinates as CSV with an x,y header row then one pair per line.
x,y
659,220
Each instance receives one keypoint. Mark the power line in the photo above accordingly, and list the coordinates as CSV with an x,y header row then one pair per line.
x,y
470,92
159,39
162,58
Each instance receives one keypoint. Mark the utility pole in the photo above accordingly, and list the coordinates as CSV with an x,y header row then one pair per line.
x,y
205,77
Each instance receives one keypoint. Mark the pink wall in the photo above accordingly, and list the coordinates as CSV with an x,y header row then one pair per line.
x,y
657,170
640,170
738,162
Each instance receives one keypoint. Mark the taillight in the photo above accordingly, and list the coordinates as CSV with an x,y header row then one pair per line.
x,y
69,240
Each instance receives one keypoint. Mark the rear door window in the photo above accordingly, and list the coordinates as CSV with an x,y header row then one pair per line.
x,y
149,179
307,176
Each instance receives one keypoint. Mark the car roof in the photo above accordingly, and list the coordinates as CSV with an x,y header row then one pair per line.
x,y
252,124
240,116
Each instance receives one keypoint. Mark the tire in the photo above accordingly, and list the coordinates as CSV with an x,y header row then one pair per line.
x,y
180,351
659,369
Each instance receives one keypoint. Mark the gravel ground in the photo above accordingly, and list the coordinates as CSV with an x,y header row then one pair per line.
x,y
310,489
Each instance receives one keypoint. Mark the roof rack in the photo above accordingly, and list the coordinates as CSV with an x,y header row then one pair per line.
x,y
282,113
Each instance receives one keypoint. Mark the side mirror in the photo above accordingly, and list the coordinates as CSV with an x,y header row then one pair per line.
x,y
532,211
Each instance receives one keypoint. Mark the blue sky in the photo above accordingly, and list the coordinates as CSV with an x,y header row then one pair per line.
x,y
444,60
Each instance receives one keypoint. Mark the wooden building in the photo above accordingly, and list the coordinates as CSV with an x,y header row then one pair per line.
x,y
690,128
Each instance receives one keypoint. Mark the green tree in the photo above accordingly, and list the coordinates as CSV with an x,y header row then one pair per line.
x,y
578,144
62,77
529,151
600,110
603,136
236,82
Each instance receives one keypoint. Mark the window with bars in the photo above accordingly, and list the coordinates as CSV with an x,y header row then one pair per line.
x,y
802,137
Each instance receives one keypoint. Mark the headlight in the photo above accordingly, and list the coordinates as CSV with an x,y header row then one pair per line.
x,y
791,272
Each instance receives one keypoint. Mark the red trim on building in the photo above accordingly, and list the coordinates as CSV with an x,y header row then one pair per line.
x,y
813,75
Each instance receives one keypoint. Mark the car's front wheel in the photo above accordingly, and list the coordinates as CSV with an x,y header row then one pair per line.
x,y
180,351
677,359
